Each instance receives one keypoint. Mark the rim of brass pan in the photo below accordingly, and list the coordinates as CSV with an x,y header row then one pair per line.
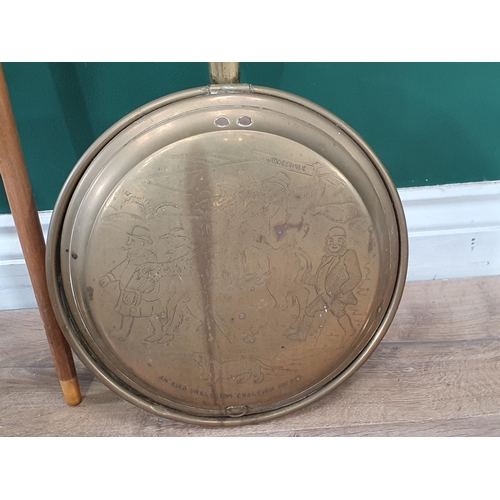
x,y
227,254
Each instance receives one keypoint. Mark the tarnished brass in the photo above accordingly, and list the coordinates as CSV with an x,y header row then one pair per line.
x,y
227,254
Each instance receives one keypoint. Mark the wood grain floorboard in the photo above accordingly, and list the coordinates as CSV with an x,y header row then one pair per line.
x,y
436,373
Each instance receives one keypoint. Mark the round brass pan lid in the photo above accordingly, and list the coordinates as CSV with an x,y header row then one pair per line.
x,y
226,254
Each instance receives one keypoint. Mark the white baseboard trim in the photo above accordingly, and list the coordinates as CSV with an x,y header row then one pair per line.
x,y
454,232
16,291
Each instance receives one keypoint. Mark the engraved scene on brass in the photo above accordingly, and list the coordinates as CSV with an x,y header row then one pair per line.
x,y
238,272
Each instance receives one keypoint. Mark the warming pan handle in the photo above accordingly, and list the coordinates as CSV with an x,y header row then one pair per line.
x,y
224,72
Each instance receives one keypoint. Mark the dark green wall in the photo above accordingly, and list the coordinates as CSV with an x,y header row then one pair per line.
x,y
429,123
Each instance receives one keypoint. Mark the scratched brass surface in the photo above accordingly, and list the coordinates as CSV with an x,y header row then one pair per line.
x,y
226,254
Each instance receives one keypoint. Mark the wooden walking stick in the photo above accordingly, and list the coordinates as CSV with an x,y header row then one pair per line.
x,y
22,204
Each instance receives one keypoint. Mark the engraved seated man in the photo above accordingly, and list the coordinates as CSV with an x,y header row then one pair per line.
x,y
139,277
337,276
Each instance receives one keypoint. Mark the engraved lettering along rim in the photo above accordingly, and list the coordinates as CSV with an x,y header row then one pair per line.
x,y
226,254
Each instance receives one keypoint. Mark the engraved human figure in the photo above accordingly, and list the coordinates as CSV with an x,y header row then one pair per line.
x,y
274,192
336,278
139,277
177,285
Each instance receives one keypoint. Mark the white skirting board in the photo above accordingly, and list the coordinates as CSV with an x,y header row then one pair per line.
x,y
454,232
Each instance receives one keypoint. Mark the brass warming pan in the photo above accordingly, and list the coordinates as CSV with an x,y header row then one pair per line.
x,y
226,254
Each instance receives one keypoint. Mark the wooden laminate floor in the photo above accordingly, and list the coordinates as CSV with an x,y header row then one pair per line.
x,y
436,373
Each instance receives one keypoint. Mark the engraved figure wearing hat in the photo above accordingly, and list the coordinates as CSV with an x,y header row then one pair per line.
x,y
139,278
274,191
337,276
